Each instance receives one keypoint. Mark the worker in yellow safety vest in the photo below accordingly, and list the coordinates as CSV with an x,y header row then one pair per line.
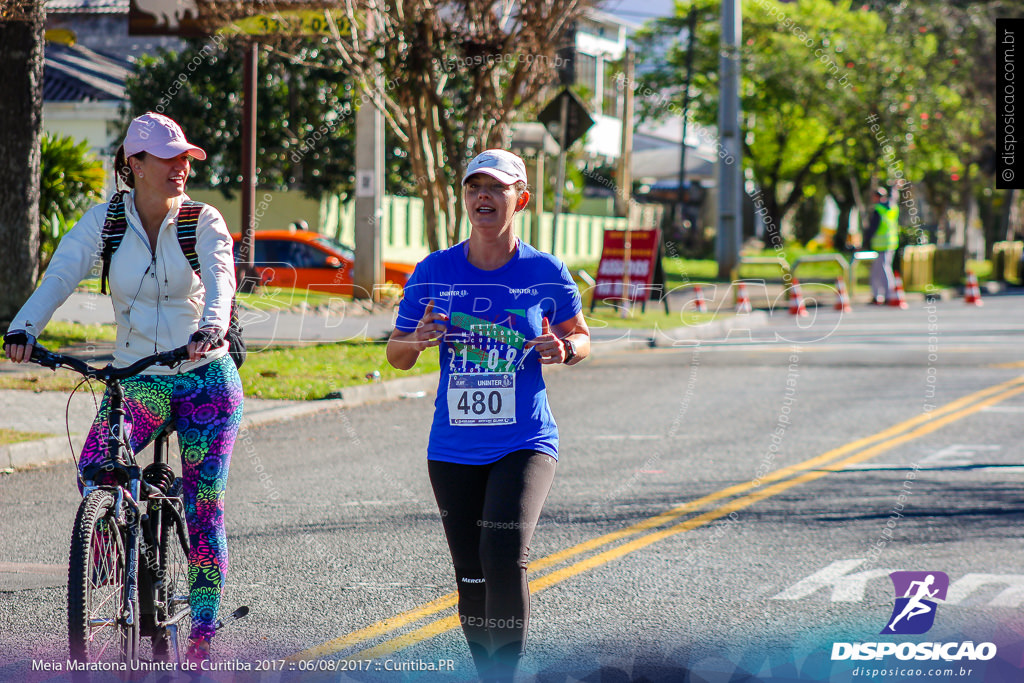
x,y
883,236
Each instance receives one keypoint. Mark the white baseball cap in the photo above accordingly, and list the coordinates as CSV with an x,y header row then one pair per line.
x,y
497,163
160,136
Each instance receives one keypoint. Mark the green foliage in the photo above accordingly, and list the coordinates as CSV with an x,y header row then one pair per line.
x,y
799,95
838,97
305,122
71,179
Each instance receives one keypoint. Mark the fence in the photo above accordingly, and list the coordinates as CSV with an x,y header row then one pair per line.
x,y
404,237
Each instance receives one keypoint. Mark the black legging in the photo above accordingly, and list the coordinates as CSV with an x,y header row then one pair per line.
x,y
489,513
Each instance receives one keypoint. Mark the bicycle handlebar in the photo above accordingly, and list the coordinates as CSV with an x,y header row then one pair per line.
x,y
48,359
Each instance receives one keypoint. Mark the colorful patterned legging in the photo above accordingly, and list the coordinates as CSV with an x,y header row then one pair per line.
x,y
206,406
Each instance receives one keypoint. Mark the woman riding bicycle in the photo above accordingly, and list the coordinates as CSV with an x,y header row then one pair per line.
x,y
499,310
160,303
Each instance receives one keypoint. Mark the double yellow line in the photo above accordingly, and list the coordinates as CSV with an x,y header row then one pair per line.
x,y
653,529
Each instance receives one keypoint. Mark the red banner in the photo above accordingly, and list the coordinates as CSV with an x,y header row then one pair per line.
x,y
643,254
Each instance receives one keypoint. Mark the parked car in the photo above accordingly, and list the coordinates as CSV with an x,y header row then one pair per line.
x,y
303,259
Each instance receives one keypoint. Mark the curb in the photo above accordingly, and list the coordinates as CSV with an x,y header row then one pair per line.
x,y
54,449
37,452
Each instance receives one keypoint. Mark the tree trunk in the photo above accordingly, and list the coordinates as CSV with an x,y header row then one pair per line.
x,y
21,125
773,219
843,226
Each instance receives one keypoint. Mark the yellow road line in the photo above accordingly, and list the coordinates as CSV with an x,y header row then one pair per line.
x,y
380,628
446,624
889,438
782,473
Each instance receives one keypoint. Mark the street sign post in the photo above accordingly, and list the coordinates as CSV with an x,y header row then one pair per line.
x,y
577,122
567,119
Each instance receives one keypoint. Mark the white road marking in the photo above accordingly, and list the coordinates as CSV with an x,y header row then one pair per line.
x,y
847,587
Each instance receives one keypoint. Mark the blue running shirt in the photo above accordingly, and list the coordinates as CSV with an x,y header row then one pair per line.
x,y
491,398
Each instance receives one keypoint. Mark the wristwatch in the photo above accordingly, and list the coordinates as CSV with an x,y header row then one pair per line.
x,y
570,350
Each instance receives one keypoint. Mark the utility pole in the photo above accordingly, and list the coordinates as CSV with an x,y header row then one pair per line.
x,y
691,23
730,168
369,188
245,273
624,197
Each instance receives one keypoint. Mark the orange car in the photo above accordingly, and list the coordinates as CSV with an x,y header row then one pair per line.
x,y
303,259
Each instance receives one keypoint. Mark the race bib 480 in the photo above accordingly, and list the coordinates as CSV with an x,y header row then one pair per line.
x,y
481,398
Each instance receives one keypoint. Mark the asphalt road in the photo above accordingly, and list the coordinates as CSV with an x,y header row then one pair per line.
x,y
722,511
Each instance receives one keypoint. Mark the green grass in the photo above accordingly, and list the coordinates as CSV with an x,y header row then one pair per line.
x,y
58,334
982,269
9,436
274,298
294,373
61,380
314,372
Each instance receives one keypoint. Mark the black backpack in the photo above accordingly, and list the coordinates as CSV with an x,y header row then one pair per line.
x,y
114,227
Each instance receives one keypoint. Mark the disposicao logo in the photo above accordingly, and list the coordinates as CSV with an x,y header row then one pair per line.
x,y
913,614
916,593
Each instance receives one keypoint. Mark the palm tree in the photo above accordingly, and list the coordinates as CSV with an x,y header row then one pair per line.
x,y
71,179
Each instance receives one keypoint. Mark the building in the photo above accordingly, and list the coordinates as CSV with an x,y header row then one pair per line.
x,y
88,58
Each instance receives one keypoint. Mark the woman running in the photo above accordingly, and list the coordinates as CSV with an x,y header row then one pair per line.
x,y
498,309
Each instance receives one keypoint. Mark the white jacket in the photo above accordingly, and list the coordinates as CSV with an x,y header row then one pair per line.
x,y
158,299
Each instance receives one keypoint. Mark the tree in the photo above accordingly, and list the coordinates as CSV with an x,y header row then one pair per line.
x,y
799,104
947,107
304,127
21,124
449,78
71,180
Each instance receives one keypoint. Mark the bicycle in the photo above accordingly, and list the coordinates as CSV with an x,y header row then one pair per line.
x,y
128,562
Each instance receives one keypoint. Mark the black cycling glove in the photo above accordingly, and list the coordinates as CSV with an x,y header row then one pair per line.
x,y
18,338
207,335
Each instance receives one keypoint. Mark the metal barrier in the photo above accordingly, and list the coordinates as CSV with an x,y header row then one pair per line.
x,y
851,280
825,258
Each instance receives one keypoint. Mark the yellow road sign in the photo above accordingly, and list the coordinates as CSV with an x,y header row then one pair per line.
x,y
297,22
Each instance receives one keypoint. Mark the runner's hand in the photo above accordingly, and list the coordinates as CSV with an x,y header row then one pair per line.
x,y
430,330
549,347
18,345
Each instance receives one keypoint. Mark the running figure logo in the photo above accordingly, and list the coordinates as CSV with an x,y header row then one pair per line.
x,y
916,593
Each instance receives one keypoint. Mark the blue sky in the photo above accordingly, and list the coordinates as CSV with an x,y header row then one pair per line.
x,y
638,11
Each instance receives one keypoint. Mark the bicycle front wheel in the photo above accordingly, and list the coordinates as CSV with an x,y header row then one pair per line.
x,y
97,630
174,618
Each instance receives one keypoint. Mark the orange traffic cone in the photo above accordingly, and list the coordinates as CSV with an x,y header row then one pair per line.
x,y
843,301
742,300
972,293
901,299
796,300
698,300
